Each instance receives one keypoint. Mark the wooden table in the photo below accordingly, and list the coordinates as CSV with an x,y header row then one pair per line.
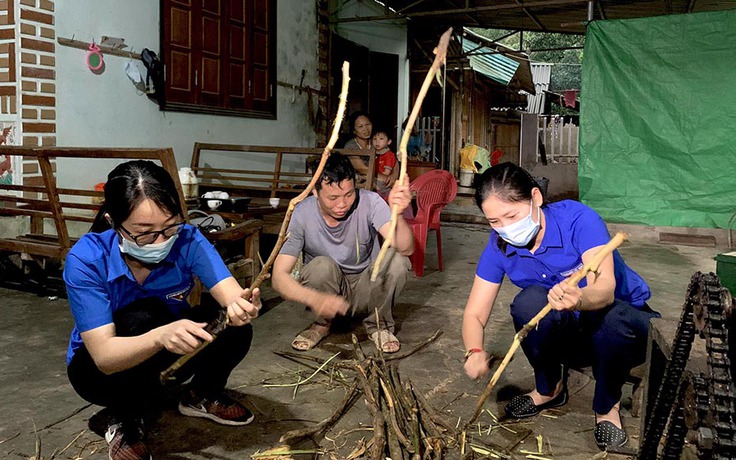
x,y
260,217
260,209
240,238
243,238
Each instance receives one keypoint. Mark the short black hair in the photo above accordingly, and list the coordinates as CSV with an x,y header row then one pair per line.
x,y
381,130
337,169
354,117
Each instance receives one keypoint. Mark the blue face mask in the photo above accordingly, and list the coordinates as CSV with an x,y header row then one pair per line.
x,y
521,233
150,253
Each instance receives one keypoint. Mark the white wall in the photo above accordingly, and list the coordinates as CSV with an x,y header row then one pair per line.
x,y
381,36
106,110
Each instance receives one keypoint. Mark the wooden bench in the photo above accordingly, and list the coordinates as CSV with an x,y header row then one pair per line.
x,y
62,205
237,244
280,172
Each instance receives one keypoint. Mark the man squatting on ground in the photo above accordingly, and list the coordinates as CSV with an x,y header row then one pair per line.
x,y
336,229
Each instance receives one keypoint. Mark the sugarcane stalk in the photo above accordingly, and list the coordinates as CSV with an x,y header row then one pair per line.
x,y
591,266
431,339
401,414
416,436
440,54
394,446
168,373
438,448
392,419
379,423
401,395
358,349
342,364
400,407
425,407
296,435
429,426
379,346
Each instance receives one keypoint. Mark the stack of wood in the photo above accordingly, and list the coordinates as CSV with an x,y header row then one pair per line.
x,y
405,426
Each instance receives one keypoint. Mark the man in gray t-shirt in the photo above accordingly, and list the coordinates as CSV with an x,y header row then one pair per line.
x,y
336,230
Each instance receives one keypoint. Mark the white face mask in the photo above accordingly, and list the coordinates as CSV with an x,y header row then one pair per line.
x,y
521,233
151,253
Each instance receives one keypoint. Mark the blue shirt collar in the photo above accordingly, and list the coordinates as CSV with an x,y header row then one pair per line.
x,y
552,233
552,237
117,267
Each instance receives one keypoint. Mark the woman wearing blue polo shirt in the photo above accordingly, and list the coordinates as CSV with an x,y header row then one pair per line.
x,y
603,322
127,282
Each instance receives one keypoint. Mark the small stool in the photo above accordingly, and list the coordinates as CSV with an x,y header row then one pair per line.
x,y
635,378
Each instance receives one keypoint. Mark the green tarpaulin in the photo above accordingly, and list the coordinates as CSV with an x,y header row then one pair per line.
x,y
658,120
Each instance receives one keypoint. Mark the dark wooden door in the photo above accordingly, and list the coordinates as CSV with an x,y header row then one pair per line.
x,y
374,84
358,56
180,59
383,92
209,70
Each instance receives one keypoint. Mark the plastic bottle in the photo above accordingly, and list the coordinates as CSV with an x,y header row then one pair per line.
x,y
189,183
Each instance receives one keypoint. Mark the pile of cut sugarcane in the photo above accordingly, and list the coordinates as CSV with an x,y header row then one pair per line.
x,y
404,425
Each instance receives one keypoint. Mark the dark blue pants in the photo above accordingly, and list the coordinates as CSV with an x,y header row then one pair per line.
x,y
136,390
613,340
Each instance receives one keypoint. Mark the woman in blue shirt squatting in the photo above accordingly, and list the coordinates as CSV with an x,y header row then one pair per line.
x,y
603,322
127,282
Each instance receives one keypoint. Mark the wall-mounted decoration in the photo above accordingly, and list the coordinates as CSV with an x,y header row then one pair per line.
x,y
7,166
95,62
82,45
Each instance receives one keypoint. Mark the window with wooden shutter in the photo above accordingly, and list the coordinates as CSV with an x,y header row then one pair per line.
x,y
220,56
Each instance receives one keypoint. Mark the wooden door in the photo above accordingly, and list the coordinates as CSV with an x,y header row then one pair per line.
x,y
358,57
383,92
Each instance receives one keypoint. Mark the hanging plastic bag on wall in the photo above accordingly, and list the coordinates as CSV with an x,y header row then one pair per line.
x,y
134,74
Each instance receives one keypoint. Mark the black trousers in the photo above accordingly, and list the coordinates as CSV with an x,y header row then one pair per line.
x,y
612,340
134,391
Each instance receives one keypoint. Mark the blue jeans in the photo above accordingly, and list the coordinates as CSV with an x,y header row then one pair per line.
x,y
613,340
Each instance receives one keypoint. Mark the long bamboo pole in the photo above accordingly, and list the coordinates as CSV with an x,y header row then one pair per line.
x,y
440,54
168,373
591,266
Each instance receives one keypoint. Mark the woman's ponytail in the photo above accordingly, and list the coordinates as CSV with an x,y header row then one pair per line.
x,y
100,223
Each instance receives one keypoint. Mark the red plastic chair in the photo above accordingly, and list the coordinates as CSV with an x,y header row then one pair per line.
x,y
434,190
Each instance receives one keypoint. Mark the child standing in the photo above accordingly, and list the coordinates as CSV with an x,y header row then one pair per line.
x,y
385,162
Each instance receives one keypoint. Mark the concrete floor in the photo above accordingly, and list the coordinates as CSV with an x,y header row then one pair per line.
x,y
37,403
